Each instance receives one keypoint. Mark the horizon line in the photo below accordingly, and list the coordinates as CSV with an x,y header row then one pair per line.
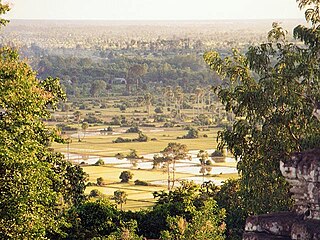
x,y
90,19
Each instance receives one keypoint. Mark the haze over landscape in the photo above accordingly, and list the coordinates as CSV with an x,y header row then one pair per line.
x,y
154,9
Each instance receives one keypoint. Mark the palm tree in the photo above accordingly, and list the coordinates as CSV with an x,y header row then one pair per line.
x,y
166,94
148,102
178,94
198,93
84,127
192,99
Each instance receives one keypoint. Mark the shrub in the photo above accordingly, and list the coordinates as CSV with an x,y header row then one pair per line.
x,y
119,156
125,176
209,162
141,183
192,133
142,137
95,193
217,153
122,107
65,127
100,181
99,162
133,130
122,140
158,110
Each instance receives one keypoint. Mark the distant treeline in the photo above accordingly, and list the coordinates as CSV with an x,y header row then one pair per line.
x,y
80,76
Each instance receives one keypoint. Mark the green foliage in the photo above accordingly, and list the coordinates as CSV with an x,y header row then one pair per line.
x,y
93,219
229,197
120,197
186,201
140,183
127,231
36,184
141,138
99,162
100,181
133,154
272,92
192,133
134,129
207,223
95,193
125,176
217,153
120,156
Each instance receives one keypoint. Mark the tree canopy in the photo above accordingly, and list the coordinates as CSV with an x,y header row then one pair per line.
x,y
36,184
272,90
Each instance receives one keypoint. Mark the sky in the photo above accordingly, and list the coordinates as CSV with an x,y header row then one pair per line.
x,y
154,9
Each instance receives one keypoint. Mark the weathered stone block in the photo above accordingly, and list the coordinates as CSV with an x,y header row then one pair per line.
x,y
275,223
306,230
262,236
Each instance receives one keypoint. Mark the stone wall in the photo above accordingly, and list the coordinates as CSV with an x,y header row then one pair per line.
x,y
302,171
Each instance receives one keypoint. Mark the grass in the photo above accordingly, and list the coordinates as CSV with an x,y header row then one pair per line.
x,y
139,197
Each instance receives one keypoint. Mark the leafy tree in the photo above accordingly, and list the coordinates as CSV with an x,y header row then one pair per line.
x,y
185,201
100,181
127,231
172,153
93,219
36,184
97,88
207,223
125,176
95,193
192,133
272,91
229,197
120,197
148,101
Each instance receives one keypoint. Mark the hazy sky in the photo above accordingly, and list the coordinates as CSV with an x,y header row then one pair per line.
x,y
154,9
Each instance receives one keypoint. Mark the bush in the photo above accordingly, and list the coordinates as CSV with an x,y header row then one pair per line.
x,y
142,137
99,162
133,130
141,183
65,127
209,162
100,181
122,140
217,153
158,110
95,193
119,156
192,133
122,107
125,176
